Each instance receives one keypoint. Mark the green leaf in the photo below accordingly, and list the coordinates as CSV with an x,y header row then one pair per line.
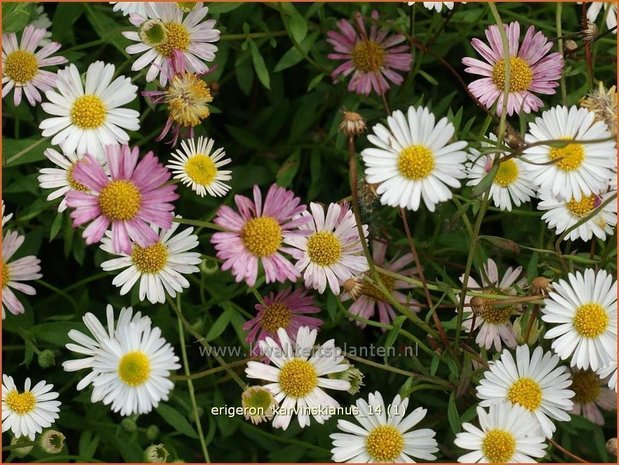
x,y
220,324
452,415
434,364
22,151
224,7
65,16
289,59
88,444
56,225
485,183
315,81
16,16
107,29
393,333
297,24
502,243
288,170
259,65
55,333
176,420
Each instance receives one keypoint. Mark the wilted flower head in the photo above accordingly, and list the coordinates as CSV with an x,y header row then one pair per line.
x,y
258,404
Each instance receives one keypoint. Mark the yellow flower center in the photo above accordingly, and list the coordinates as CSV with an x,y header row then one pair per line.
x,y
262,236
21,66
324,248
134,368
526,392
120,200
6,275
176,38
586,385
416,162
20,403
88,112
76,186
368,56
568,158
373,291
497,315
583,207
257,398
201,169
590,320
187,97
507,173
384,443
275,316
298,378
499,446
151,259
520,74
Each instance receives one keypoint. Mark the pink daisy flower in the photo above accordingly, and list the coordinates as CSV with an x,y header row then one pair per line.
x,y
284,310
131,199
259,233
371,297
13,273
21,65
591,396
494,321
531,69
331,251
371,59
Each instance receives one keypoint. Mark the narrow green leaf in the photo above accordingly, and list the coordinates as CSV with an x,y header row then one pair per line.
x,y
452,415
288,170
220,325
485,183
176,420
259,65
16,16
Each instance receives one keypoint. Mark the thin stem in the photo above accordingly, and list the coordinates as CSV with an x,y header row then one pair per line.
x,y
424,283
253,35
567,452
199,223
23,152
560,47
211,371
192,394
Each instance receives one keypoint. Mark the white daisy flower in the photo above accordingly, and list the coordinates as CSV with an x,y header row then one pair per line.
x,y
534,382
412,160
42,22
7,217
22,65
169,33
198,166
562,214
88,117
331,252
511,183
494,320
27,413
609,373
585,310
128,8
574,169
15,273
133,369
60,178
591,396
508,434
86,345
610,10
384,434
299,376
159,268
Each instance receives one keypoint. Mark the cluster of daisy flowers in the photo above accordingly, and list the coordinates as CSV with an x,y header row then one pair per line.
x,y
125,203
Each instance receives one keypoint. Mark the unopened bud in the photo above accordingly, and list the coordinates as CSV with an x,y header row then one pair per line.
x,y
152,432
21,452
521,326
352,124
129,425
52,441
46,359
570,47
156,453
590,32
352,375
209,267
478,305
353,287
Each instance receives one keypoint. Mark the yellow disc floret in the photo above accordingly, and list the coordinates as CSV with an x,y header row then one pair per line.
x,y
6,274
569,157
151,259
275,316
20,403
583,207
590,320
187,97
134,368
520,74
88,112
368,56
507,173
120,200
262,236
298,378
384,443
416,162
201,169
586,385
526,392
176,38
324,248
73,184
499,446
21,66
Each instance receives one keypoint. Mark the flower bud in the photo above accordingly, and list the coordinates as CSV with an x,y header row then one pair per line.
x,y
352,375
152,432
129,425
156,453
478,305
352,124
611,446
540,285
52,441
521,325
570,47
209,267
46,359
